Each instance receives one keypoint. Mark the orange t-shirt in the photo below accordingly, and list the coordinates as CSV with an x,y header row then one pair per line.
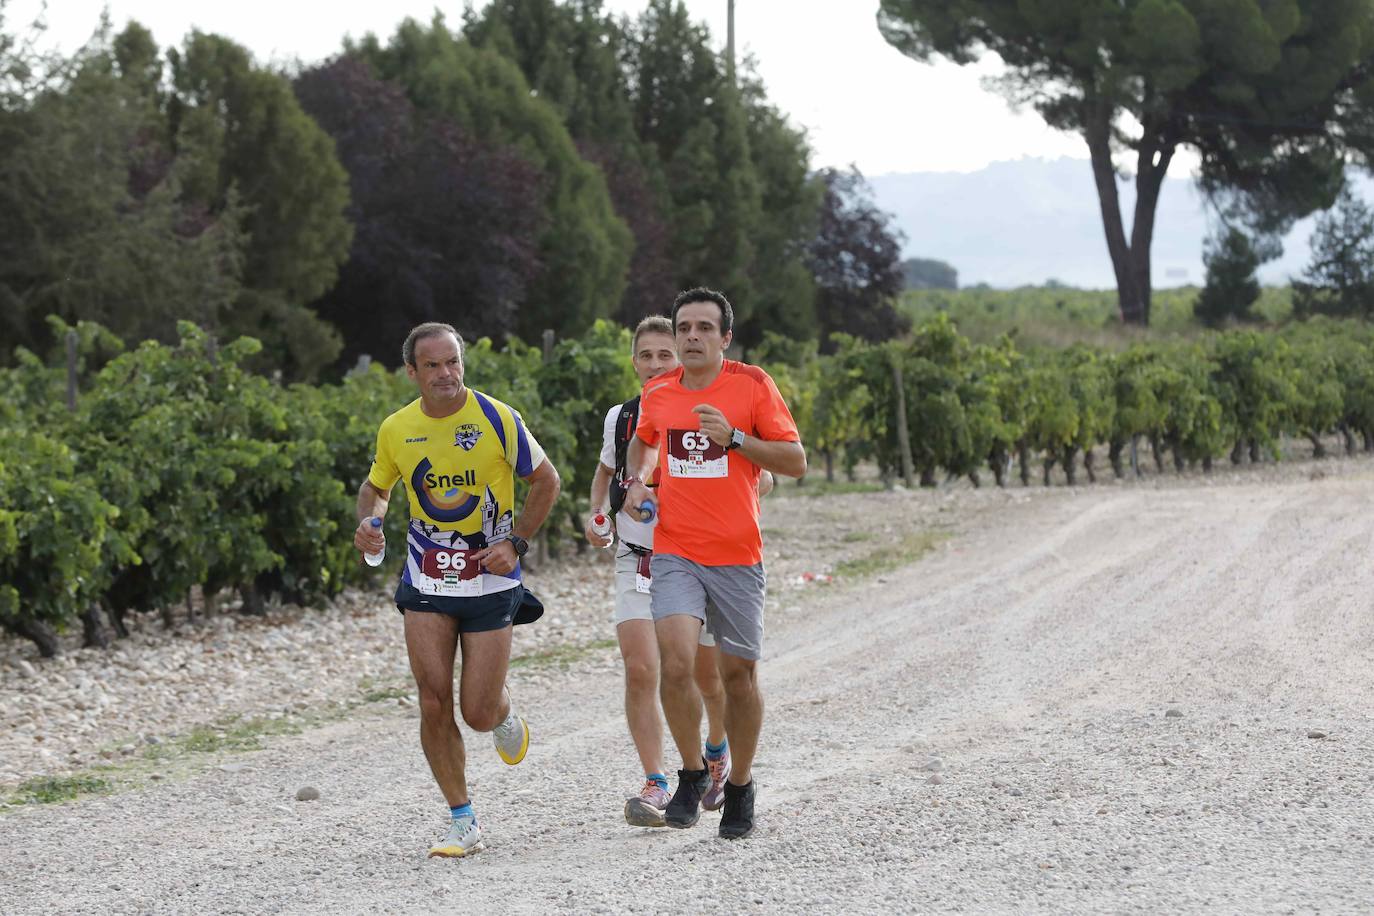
x,y
708,498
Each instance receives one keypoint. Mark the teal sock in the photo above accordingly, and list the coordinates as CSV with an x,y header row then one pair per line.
x,y
717,751
658,778
463,811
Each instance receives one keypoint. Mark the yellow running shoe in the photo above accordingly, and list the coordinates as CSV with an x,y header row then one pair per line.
x,y
464,838
512,738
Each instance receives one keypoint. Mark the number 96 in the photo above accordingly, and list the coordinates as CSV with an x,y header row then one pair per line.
x,y
454,561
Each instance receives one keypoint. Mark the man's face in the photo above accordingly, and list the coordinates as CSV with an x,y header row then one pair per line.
x,y
438,369
700,344
653,356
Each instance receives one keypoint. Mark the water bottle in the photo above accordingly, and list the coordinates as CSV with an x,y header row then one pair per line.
x,y
601,527
647,511
375,559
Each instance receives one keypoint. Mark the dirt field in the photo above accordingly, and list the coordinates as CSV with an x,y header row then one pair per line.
x,y
1124,697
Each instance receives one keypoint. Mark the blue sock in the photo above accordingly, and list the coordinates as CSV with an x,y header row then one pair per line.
x,y
717,751
463,811
658,778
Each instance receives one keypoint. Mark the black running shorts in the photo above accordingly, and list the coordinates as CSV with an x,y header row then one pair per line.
x,y
474,615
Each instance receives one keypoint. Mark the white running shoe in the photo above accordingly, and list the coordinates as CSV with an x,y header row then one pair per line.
x,y
512,738
464,837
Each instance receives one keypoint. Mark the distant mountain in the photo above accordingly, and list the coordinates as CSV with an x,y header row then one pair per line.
x,y
1027,221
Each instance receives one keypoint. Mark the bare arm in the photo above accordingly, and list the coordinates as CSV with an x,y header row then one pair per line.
x,y
765,484
780,457
639,463
372,502
601,488
545,485
776,455
500,558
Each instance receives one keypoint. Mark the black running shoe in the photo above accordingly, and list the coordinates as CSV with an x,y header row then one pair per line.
x,y
685,808
737,820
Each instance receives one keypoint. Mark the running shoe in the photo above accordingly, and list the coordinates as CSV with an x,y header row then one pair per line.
x,y
512,738
685,808
737,821
646,808
720,771
464,838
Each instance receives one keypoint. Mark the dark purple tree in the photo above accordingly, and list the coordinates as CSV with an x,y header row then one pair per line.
x,y
856,261
446,228
651,281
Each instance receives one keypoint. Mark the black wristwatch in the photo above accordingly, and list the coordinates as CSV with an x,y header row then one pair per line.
x,y
521,545
736,439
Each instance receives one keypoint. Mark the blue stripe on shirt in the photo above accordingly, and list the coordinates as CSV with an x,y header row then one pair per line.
x,y
493,417
522,452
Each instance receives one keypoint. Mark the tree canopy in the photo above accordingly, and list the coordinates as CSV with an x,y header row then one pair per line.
x,y
544,165
1273,95
446,228
855,262
585,248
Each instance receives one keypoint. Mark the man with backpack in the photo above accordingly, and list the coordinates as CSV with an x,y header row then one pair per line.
x,y
652,355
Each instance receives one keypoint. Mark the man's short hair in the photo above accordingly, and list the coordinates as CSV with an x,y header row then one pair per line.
x,y
654,324
702,294
428,329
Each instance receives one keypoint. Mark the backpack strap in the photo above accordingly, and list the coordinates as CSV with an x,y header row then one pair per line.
x,y
625,424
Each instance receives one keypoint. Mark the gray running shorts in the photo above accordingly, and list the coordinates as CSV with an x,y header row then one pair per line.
x,y
630,602
728,599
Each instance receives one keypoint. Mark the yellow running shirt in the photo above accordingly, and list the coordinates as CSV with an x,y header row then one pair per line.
x,y
460,475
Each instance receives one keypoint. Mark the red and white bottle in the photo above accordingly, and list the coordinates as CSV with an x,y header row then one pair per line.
x,y
601,527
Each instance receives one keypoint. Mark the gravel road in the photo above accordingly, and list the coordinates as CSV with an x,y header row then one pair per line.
x,y
1124,697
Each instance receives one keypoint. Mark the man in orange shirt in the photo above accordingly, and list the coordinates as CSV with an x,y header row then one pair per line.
x,y
711,427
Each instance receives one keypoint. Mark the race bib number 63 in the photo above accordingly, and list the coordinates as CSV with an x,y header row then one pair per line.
x,y
691,453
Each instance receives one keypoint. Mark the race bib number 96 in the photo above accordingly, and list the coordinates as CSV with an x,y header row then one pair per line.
x,y
451,572
691,453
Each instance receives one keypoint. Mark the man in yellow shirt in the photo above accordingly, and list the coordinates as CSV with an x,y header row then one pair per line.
x,y
458,452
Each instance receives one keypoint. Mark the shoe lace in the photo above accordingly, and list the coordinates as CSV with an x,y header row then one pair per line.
x,y
507,729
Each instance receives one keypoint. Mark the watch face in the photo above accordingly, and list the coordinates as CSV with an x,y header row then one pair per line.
x,y
520,544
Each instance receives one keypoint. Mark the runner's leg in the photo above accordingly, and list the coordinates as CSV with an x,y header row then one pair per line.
x,y
431,640
743,713
639,649
712,692
482,687
713,698
677,647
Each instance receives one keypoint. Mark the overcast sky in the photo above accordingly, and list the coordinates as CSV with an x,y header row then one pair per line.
x,y
823,62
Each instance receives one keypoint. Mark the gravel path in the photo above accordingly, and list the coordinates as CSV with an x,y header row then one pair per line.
x,y
1101,699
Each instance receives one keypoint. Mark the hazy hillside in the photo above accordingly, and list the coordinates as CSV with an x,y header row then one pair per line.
x,y
1023,222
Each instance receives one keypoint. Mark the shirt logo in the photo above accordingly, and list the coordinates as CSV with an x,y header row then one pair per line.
x,y
417,439
466,436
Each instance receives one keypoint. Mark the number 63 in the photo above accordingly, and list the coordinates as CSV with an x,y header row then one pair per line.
x,y
696,440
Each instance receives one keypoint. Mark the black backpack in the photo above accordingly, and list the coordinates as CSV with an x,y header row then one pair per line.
x,y
625,424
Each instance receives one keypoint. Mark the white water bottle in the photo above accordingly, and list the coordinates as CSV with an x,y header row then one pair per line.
x,y
375,559
601,527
